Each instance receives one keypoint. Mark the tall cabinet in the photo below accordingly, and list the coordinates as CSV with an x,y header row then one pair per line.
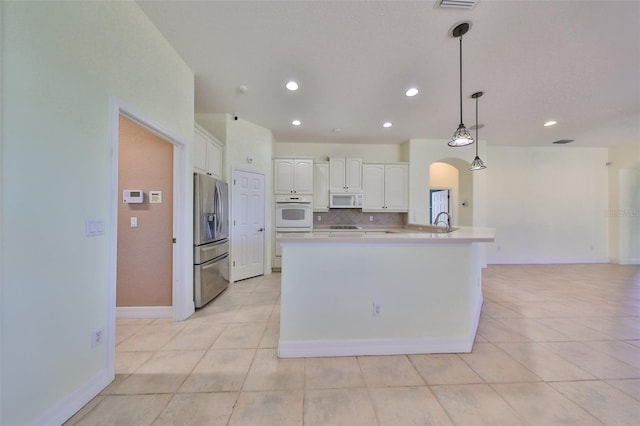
x,y
207,157
386,187
321,186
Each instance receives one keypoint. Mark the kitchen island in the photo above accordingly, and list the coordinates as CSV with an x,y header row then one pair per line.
x,y
381,293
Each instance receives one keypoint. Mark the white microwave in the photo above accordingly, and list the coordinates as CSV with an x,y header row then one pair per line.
x,y
345,201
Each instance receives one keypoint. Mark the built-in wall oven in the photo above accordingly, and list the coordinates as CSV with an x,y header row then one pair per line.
x,y
294,213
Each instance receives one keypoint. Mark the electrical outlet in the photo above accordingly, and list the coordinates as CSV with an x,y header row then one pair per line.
x,y
377,309
370,218
96,337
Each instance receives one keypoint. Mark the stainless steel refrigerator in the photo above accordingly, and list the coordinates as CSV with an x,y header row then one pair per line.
x,y
210,239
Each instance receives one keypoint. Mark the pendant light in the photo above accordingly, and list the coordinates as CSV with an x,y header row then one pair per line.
x,y
477,163
462,136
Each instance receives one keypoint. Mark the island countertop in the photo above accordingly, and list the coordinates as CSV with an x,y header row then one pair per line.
x,y
461,234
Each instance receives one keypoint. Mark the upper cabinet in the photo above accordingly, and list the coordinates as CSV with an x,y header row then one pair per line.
x,y
321,186
386,187
207,153
345,174
293,176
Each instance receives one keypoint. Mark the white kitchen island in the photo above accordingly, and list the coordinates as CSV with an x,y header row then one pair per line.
x,y
380,293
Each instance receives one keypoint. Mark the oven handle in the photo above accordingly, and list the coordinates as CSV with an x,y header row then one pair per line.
x,y
290,204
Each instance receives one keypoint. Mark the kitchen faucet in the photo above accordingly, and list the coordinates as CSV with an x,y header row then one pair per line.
x,y
447,222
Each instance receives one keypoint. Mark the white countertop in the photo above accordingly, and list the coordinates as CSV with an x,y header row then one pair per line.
x,y
373,235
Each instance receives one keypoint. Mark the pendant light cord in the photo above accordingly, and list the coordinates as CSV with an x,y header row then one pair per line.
x,y
460,79
477,140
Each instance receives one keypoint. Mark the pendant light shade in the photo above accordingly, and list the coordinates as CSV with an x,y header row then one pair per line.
x,y
462,136
477,163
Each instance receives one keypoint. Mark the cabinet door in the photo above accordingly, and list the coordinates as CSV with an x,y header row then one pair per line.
x,y
337,178
283,176
200,151
303,177
396,187
214,159
373,195
353,174
321,187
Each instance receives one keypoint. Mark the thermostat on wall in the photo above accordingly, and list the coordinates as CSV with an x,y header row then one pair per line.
x,y
131,196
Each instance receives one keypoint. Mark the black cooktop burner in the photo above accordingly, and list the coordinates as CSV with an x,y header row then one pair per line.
x,y
345,227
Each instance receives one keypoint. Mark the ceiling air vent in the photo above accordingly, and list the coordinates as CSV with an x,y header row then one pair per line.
x,y
457,4
563,141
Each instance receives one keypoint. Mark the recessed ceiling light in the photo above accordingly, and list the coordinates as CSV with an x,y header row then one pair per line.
x,y
387,124
292,85
550,123
411,92
296,122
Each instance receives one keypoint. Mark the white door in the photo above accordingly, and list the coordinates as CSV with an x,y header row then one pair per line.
x,y
439,203
248,231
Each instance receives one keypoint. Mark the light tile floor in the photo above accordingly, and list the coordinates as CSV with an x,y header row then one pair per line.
x,y
556,345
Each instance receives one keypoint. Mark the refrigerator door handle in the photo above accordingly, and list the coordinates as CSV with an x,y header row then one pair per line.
x,y
218,211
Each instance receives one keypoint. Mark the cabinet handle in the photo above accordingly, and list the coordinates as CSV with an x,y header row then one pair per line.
x,y
261,229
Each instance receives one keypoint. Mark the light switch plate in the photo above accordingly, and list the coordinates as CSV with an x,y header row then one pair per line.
x,y
93,227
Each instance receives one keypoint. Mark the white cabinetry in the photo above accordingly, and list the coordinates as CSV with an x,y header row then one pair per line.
x,y
386,187
321,186
293,176
207,153
345,174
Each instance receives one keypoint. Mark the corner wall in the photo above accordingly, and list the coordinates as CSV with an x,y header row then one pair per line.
x,y
62,62
243,139
624,204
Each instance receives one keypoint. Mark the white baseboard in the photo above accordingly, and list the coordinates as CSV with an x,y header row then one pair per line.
x,y
330,348
626,261
549,261
77,399
144,312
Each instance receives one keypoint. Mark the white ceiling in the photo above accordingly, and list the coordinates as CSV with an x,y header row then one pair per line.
x,y
576,62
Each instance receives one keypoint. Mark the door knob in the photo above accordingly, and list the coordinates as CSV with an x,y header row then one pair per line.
x,y
261,229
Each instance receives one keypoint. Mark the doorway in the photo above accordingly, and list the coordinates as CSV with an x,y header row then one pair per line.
x,y
182,273
248,224
440,202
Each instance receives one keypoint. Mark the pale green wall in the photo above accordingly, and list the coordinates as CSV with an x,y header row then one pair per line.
x,y
624,212
61,63
548,204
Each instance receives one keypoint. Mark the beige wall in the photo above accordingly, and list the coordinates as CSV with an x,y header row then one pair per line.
x,y
144,274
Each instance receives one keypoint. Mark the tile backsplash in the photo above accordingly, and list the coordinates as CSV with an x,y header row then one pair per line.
x,y
357,217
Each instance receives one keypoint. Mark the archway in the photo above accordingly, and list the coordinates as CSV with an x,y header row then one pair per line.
x,y
454,174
